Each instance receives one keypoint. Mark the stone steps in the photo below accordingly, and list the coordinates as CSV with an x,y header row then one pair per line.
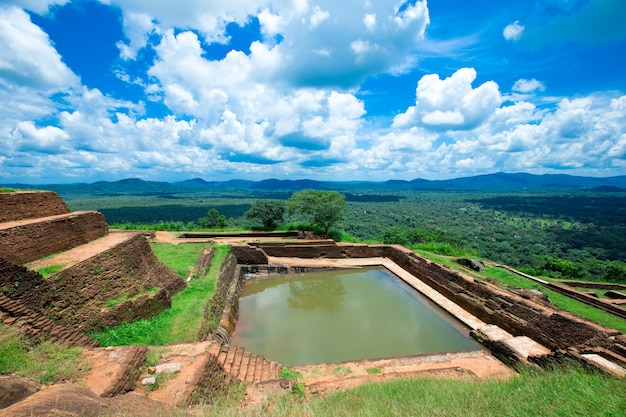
x,y
208,368
37,326
246,366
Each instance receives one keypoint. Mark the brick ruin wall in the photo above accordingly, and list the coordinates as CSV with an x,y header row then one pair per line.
x,y
30,205
128,269
215,308
517,315
33,241
77,297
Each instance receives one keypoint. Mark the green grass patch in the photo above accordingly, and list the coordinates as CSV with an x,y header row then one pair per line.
x,y
119,300
573,306
46,362
567,391
181,322
342,371
181,258
49,270
508,278
7,190
601,293
289,374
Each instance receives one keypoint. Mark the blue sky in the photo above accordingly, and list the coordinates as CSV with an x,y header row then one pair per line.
x,y
351,90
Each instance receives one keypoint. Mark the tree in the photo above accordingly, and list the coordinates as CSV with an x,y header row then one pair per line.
x,y
325,208
269,212
213,219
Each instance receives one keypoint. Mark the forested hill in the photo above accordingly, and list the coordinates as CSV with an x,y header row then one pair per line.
x,y
498,182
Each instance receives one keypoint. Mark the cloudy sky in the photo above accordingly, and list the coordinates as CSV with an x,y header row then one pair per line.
x,y
324,89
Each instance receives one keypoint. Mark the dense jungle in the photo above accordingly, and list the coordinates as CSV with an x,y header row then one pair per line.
x,y
556,230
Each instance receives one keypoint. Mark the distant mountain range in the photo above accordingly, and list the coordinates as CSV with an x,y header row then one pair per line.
x,y
498,182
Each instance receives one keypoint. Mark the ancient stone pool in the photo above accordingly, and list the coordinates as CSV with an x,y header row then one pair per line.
x,y
336,316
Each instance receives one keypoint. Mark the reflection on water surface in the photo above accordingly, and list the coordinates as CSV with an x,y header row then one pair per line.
x,y
341,315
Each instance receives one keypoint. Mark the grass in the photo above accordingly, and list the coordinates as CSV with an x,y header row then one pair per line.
x,y
508,278
49,270
573,306
342,371
599,292
46,362
564,391
181,322
181,258
119,300
289,374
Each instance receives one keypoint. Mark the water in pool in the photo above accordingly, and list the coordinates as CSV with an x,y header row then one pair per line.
x,y
341,315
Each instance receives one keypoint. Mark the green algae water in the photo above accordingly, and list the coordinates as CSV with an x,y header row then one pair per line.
x,y
336,316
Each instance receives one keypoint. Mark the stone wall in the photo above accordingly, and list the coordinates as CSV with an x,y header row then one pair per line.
x,y
35,240
29,287
215,307
129,269
30,205
249,255
324,249
80,297
554,329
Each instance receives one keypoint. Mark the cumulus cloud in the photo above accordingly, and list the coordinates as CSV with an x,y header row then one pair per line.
x,y
28,59
513,32
137,27
581,133
451,103
288,105
48,139
317,40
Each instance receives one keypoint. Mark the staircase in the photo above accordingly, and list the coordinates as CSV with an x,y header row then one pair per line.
x,y
204,370
38,327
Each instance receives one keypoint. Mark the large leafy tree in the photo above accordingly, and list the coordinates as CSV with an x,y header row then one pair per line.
x,y
269,212
324,208
213,219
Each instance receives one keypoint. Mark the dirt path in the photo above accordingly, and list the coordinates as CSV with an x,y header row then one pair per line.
x,y
80,253
16,223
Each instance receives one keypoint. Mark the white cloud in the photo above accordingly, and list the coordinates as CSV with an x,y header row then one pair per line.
x,y
417,11
137,27
282,108
319,15
369,20
208,17
444,118
513,32
27,57
308,55
48,139
451,103
528,86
